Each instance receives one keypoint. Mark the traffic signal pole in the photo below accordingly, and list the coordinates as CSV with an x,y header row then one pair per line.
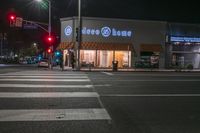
x,y
49,30
79,35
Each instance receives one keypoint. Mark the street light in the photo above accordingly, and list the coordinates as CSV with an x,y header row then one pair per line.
x,y
49,30
34,44
49,27
79,34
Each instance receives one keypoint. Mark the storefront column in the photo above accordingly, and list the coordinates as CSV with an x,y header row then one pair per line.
x,y
113,55
96,59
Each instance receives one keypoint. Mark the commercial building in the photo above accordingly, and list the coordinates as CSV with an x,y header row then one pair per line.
x,y
133,43
183,45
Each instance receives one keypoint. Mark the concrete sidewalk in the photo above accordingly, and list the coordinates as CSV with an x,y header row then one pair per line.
x,y
127,70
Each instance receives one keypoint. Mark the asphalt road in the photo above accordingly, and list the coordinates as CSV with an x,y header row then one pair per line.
x,y
151,102
100,102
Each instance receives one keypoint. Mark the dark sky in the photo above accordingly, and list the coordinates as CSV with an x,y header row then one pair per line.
x,y
186,11
171,10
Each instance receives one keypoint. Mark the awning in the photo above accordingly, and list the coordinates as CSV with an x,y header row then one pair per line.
x,y
96,46
65,45
150,48
106,46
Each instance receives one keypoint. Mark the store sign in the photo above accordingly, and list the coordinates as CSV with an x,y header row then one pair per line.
x,y
68,30
185,39
104,32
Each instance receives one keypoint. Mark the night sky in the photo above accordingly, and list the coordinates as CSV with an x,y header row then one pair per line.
x,y
186,11
171,10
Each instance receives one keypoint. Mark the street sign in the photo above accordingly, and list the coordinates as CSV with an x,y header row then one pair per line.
x,y
19,22
30,26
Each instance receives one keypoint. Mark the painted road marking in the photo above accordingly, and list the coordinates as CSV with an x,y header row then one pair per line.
x,y
43,86
47,94
39,74
150,95
102,85
158,75
107,73
34,76
155,80
54,115
47,80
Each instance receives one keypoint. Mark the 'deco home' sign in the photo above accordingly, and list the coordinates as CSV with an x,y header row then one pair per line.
x,y
104,32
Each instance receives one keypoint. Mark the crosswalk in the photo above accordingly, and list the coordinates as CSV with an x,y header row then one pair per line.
x,y
72,94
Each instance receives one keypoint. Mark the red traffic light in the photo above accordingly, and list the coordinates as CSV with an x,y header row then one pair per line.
x,y
49,50
12,17
50,39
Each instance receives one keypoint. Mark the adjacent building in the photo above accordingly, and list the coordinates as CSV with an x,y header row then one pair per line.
x,y
133,43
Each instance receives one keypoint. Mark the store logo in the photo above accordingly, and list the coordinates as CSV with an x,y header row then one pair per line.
x,y
185,39
106,31
68,30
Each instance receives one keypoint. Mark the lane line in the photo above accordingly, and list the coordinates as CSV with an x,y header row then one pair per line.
x,y
107,73
47,80
43,86
155,80
47,94
156,75
54,115
150,95
102,85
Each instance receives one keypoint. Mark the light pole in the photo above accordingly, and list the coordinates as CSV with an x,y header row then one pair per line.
x,y
79,34
49,3
49,31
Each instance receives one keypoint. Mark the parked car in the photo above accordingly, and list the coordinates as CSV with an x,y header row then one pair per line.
x,y
23,62
43,63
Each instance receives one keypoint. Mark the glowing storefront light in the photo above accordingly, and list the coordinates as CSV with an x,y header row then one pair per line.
x,y
185,39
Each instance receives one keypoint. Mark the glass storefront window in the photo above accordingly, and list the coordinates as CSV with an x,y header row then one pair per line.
x,y
87,57
123,58
104,58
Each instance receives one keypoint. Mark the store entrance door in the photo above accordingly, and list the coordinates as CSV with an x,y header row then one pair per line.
x,y
66,58
123,58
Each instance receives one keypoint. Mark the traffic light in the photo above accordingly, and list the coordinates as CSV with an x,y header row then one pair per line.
x,y
12,17
57,53
50,40
49,50
77,34
12,20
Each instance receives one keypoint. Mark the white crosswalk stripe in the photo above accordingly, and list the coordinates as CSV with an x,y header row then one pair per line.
x,y
47,94
41,79
54,115
44,80
34,76
44,86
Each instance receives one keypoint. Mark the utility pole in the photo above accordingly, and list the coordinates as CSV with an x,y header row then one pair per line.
x,y
79,34
1,47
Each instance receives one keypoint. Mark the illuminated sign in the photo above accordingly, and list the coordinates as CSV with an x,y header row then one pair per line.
x,y
107,32
185,39
68,30
104,32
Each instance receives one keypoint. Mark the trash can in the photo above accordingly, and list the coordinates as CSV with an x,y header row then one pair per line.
x,y
114,65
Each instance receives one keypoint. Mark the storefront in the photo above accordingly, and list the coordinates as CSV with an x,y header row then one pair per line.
x,y
183,46
107,40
